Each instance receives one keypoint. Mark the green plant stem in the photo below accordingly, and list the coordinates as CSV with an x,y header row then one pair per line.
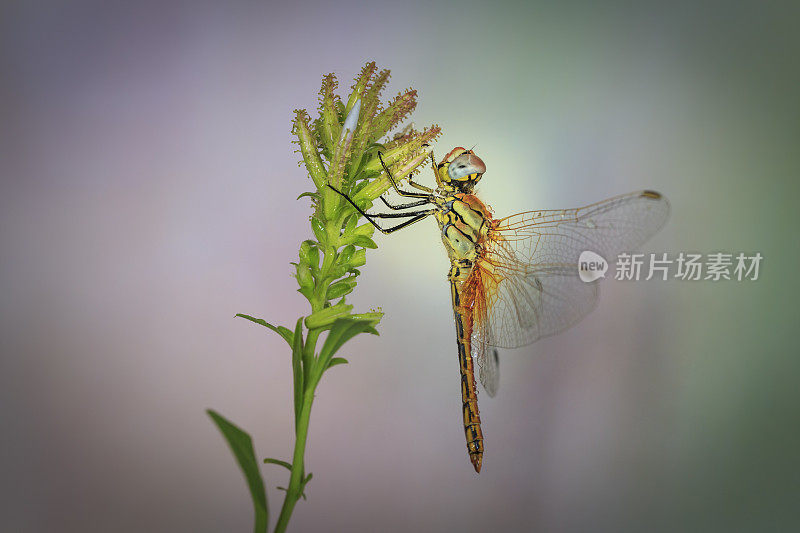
x,y
295,489
297,477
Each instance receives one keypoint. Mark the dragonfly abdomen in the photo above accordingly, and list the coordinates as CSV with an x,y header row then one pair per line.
x,y
469,397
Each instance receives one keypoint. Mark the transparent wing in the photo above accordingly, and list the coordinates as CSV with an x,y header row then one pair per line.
x,y
489,364
528,269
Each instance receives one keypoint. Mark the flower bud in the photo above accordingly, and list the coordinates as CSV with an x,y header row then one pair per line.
x,y
351,122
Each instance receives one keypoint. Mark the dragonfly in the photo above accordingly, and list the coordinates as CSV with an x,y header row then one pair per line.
x,y
513,280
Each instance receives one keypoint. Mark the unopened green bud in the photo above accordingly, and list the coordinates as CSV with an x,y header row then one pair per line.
x,y
350,123
308,148
329,124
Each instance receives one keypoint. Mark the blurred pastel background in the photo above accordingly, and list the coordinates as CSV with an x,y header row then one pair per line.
x,y
148,186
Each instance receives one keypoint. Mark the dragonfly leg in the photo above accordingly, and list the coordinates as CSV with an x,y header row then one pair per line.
x,y
417,185
404,206
416,215
394,183
411,176
402,225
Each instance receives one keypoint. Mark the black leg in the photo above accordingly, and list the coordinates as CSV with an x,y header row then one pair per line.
x,y
394,183
404,206
402,225
397,215
417,215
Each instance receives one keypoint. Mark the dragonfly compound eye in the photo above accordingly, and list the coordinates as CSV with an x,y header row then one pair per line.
x,y
464,165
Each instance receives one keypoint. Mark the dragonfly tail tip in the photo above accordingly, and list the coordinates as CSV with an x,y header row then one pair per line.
x,y
477,460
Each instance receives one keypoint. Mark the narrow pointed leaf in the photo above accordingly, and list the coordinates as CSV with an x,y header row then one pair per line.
x,y
284,464
303,485
337,361
242,447
342,331
286,333
311,194
297,370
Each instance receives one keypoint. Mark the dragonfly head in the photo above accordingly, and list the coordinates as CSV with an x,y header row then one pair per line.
x,y
460,170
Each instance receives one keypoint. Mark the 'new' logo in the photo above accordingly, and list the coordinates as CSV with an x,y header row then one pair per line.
x,y
591,266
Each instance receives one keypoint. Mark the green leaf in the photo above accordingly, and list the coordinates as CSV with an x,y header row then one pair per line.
x,y
364,242
341,288
297,369
347,254
326,317
305,279
350,227
242,447
284,464
319,230
359,258
309,255
313,259
343,330
367,229
310,194
286,333
303,485
357,188
337,361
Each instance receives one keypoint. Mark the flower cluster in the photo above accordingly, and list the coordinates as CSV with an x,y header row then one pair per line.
x,y
341,148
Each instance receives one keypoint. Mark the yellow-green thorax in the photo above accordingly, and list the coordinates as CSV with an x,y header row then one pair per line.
x,y
464,221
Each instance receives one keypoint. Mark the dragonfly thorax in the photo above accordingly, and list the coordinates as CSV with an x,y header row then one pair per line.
x,y
463,220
